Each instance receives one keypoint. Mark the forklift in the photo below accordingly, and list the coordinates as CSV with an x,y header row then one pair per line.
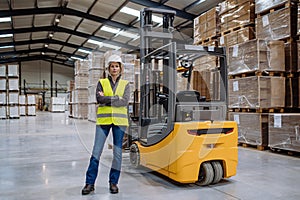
x,y
180,134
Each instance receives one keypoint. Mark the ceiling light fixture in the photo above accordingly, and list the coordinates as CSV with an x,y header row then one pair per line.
x,y
102,44
5,19
51,35
57,20
136,13
84,51
46,45
118,32
76,58
6,47
6,35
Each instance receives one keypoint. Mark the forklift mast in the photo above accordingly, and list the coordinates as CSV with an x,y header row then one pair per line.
x,y
161,105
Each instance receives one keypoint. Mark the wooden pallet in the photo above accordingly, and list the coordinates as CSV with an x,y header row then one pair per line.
x,y
257,73
251,24
259,110
285,152
258,147
275,8
206,40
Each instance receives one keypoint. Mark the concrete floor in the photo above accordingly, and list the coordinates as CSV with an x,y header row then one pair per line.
x,y
46,156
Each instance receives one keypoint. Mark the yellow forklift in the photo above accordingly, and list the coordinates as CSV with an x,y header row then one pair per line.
x,y
179,134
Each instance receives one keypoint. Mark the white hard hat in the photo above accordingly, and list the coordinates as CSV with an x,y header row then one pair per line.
x,y
114,58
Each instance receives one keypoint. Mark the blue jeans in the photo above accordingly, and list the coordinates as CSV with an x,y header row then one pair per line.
x,y
102,132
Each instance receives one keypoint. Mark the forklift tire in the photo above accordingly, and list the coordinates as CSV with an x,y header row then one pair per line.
x,y
218,171
134,156
206,174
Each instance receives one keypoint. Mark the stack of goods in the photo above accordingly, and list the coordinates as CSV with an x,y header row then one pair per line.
x,y
206,26
96,71
30,105
3,93
129,71
237,19
80,100
13,91
284,131
57,104
71,86
22,103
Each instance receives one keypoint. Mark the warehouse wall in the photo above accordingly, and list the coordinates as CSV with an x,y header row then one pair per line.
x,y
37,71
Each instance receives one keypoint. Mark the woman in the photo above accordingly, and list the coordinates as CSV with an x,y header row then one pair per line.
x,y
112,94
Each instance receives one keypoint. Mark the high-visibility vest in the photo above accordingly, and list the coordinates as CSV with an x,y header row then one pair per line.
x,y
109,114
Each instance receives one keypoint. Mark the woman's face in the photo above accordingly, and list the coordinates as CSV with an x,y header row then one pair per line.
x,y
114,69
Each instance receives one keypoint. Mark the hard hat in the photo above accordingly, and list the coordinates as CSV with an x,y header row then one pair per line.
x,y
114,58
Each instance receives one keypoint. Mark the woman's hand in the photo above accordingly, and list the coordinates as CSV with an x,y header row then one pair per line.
x,y
101,93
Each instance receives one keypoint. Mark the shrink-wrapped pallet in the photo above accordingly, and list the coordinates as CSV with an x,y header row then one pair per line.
x,y
257,92
96,60
284,131
264,5
256,55
241,14
252,127
13,70
277,25
237,37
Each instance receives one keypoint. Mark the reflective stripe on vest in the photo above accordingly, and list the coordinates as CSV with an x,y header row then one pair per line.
x,y
110,114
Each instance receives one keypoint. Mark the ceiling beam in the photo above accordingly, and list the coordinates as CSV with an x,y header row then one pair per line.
x,y
45,50
65,11
37,57
153,4
43,41
65,30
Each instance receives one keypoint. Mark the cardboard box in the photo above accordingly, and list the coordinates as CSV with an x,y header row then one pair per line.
x,y
252,127
237,37
96,60
3,70
292,92
263,5
277,25
3,98
30,110
13,84
291,56
13,70
14,111
257,92
256,55
13,98
284,131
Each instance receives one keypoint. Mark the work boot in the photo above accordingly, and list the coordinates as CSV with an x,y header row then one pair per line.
x,y
113,188
88,188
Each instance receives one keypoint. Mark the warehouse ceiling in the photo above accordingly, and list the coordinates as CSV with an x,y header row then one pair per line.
x,y
61,31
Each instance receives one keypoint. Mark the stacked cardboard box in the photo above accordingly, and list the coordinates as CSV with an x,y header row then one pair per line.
x,y
284,131
206,26
31,105
57,104
256,55
237,37
257,92
252,127
236,14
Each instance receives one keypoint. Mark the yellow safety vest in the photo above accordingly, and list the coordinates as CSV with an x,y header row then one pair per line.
x,y
109,114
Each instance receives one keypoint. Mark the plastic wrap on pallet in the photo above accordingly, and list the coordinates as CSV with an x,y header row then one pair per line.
x,y
298,21
96,60
81,111
13,70
94,76
22,99
22,110
82,67
13,98
284,131
3,112
2,84
13,84
256,55
3,70
92,94
238,16
92,115
277,25
237,37
13,111
3,98
227,5
30,99
292,92
181,82
291,56
206,25
81,96
31,110
128,72
252,127
264,5
257,92
206,63
81,81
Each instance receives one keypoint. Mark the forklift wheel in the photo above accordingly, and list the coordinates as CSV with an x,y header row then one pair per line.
x,y
134,156
218,171
206,174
